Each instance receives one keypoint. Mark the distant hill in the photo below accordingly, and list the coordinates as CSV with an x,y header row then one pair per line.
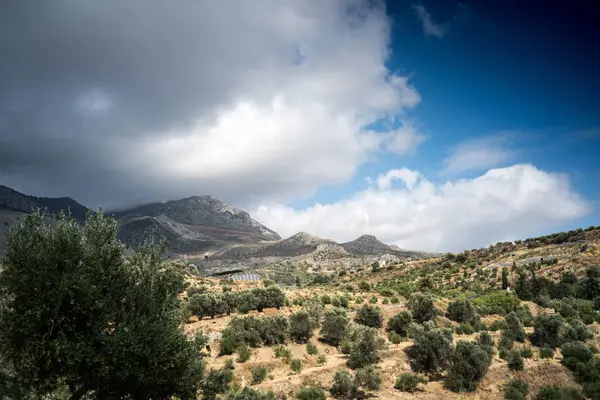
x,y
14,206
192,224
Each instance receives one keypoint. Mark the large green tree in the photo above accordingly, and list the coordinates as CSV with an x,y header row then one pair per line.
x,y
79,316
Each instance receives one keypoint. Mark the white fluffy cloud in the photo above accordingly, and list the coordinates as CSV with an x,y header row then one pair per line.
x,y
502,204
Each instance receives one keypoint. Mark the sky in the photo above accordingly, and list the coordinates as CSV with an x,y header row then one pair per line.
x,y
433,125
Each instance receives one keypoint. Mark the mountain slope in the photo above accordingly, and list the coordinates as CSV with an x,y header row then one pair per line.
x,y
11,200
14,206
370,245
193,224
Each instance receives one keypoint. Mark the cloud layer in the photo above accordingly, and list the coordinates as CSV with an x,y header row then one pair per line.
x,y
502,204
118,103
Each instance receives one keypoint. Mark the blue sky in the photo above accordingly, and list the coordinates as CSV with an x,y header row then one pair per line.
x,y
504,68
432,125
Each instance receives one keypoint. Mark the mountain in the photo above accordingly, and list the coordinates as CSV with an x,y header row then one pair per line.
x,y
194,224
370,245
15,206
11,200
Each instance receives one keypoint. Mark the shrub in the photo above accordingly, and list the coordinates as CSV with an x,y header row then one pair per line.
x,y
465,329
462,311
394,338
386,292
311,393
526,352
421,306
468,365
558,393
432,348
499,302
274,329
548,331
296,365
239,331
367,378
364,346
408,382
516,389
302,326
321,359
359,300
283,352
343,385
250,394
524,315
335,301
395,300
514,328
515,361
369,316
259,374
326,299
499,324
364,286
216,382
400,323
577,330
335,326
311,349
244,353
546,352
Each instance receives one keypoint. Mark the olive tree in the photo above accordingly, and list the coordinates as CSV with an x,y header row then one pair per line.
x,y
81,316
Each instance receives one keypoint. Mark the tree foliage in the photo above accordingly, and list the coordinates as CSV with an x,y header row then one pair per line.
x,y
335,326
421,306
369,316
80,315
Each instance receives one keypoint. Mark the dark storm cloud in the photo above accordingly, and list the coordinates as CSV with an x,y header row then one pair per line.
x,y
115,102
80,78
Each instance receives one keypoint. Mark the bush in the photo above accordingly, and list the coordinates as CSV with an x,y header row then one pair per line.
x,y
321,359
546,352
514,328
343,385
462,311
400,323
216,382
394,338
296,365
499,324
250,394
548,331
408,382
465,329
526,352
367,378
283,352
515,361
302,326
369,316
516,389
274,329
364,286
577,330
311,393
373,300
244,353
239,331
259,374
432,348
468,365
421,306
525,316
395,300
558,393
311,349
499,302
364,346
335,326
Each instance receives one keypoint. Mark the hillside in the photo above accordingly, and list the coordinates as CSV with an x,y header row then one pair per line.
x,y
194,224
449,279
